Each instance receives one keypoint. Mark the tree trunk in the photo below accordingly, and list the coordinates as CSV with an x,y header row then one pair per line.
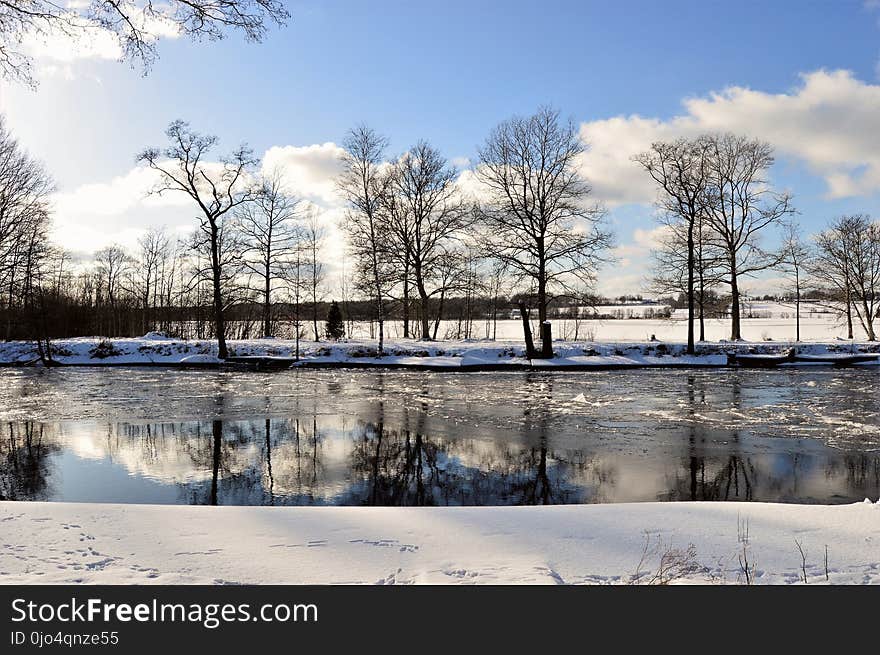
x,y
542,294
315,289
849,320
296,327
527,331
439,314
690,289
869,319
267,304
423,309
380,319
380,309
219,323
735,333
546,340
406,299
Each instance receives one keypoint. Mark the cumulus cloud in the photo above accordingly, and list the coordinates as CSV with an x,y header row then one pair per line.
x,y
309,171
115,197
89,41
638,250
829,123
94,215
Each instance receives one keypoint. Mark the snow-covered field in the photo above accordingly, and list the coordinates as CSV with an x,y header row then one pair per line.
x,y
617,351
777,325
583,544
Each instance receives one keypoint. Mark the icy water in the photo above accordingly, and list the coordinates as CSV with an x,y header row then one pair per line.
x,y
410,438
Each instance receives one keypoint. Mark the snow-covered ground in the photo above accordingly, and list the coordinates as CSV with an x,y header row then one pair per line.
x,y
770,322
643,543
159,350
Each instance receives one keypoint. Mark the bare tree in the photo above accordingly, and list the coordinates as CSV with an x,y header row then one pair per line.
x,y
112,265
38,254
740,205
680,170
152,245
436,219
297,288
363,183
216,188
865,272
848,260
314,234
497,285
475,284
672,259
794,260
203,277
832,266
169,287
270,237
136,24
25,191
397,222
536,210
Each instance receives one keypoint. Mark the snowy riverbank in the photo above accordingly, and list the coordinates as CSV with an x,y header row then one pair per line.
x,y
138,544
157,350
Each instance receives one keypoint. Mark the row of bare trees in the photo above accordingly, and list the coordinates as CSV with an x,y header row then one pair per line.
x,y
414,231
163,284
255,246
716,203
715,198
423,238
844,261
25,249
409,228
250,228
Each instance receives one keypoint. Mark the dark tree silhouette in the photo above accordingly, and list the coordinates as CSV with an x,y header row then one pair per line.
x,y
216,188
537,211
335,326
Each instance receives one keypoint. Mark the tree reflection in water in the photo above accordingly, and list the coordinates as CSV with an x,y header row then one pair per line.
x,y
24,461
420,444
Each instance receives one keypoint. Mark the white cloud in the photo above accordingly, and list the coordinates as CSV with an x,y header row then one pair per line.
x,y
638,249
310,171
94,215
119,211
89,41
86,39
116,197
829,122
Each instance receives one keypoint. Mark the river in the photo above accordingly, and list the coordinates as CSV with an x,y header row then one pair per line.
x,y
345,437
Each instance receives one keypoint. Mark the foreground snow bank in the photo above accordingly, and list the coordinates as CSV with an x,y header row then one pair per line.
x,y
98,543
153,349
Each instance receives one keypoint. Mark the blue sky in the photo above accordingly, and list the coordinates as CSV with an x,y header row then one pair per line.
x,y
449,71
